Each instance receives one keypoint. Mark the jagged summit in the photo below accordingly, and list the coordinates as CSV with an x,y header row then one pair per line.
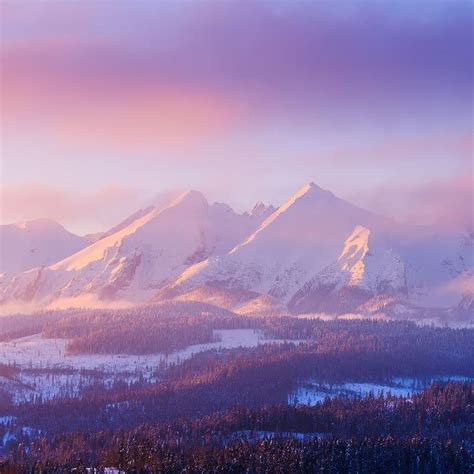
x,y
313,189
308,195
190,198
295,242
311,212
139,256
260,210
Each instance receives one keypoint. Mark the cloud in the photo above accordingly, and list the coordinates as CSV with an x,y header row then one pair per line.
x,y
175,76
142,118
457,145
87,301
79,211
251,46
445,203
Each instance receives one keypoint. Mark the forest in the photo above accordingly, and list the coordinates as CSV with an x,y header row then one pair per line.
x,y
228,410
171,326
431,432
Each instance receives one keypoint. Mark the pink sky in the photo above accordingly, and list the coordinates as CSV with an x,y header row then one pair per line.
x,y
105,106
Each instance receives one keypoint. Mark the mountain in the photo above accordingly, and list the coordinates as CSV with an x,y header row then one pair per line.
x,y
35,243
133,260
316,253
291,245
261,211
319,253
101,235
365,268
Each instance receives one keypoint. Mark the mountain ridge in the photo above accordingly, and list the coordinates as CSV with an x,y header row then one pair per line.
x,y
135,260
35,243
316,252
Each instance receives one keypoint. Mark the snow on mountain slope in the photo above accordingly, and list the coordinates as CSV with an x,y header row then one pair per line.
x,y
35,243
295,257
441,265
129,220
400,272
316,252
291,245
366,267
132,263
126,222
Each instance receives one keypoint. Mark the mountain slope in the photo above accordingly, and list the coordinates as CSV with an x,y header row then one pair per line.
x,y
365,268
35,243
295,257
139,257
291,245
315,253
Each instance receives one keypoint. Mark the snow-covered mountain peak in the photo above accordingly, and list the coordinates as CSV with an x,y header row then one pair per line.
x,y
258,209
36,243
297,217
295,242
261,211
311,186
145,252
190,198
313,189
39,225
365,268
309,195
307,189
188,205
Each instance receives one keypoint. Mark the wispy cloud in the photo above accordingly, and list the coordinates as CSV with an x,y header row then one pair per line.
x,y
443,202
172,75
78,211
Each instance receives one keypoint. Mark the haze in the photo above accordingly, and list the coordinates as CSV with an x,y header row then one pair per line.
x,y
104,109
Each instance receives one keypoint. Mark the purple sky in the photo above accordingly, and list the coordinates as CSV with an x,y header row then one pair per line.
x,y
107,104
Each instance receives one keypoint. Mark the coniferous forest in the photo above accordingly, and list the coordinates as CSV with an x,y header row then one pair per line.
x,y
230,409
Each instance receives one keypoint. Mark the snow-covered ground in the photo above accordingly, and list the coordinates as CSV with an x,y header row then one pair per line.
x,y
34,386
312,391
12,432
7,420
46,372
252,435
36,352
36,357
